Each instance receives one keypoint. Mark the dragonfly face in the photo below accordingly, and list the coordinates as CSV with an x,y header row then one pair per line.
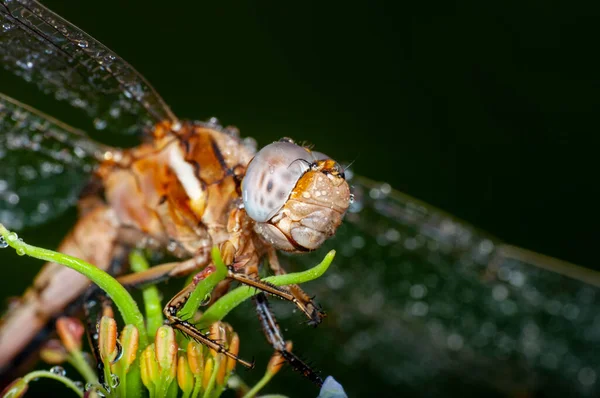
x,y
296,199
418,300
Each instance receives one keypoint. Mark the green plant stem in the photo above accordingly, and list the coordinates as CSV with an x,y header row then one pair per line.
x,y
238,385
77,360
107,374
152,304
260,385
119,295
123,385
134,380
197,386
221,307
206,285
29,377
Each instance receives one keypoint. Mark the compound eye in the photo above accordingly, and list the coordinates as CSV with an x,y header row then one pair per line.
x,y
271,176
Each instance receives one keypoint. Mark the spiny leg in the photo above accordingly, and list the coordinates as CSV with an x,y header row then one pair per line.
x,y
189,329
165,271
275,338
162,272
303,301
275,291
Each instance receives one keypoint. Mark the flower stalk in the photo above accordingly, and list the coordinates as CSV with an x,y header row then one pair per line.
x,y
132,363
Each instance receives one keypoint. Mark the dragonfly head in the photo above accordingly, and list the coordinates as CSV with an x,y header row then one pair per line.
x,y
297,197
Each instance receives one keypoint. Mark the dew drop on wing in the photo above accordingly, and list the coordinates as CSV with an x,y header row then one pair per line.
x,y
100,124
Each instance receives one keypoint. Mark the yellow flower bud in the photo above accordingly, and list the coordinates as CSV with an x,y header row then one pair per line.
x,y
208,369
70,330
166,350
185,378
234,348
129,342
149,367
107,340
195,357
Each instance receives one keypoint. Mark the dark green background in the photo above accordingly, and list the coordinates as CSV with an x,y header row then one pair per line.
x,y
485,109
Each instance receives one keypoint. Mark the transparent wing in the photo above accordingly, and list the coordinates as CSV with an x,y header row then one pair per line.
x,y
44,165
423,301
44,49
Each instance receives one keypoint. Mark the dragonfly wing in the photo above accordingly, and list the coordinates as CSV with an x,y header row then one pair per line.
x,y
420,300
62,60
45,164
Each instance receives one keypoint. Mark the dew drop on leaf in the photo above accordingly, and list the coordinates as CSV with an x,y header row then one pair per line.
x,y
58,370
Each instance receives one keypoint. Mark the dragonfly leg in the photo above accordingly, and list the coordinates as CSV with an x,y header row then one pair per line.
x,y
169,270
275,338
172,308
295,295
162,272
303,301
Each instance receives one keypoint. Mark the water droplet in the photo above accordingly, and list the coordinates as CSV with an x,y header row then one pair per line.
x,y
99,124
119,352
43,207
97,388
13,198
418,291
21,251
115,112
12,237
106,387
172,246
58,370
499,292
213,121
455,342
206,300
6,27
82,43
3,243
79,385
586,376
114,381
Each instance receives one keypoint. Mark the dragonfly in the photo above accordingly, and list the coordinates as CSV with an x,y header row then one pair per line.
x,y
419,300
188,187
